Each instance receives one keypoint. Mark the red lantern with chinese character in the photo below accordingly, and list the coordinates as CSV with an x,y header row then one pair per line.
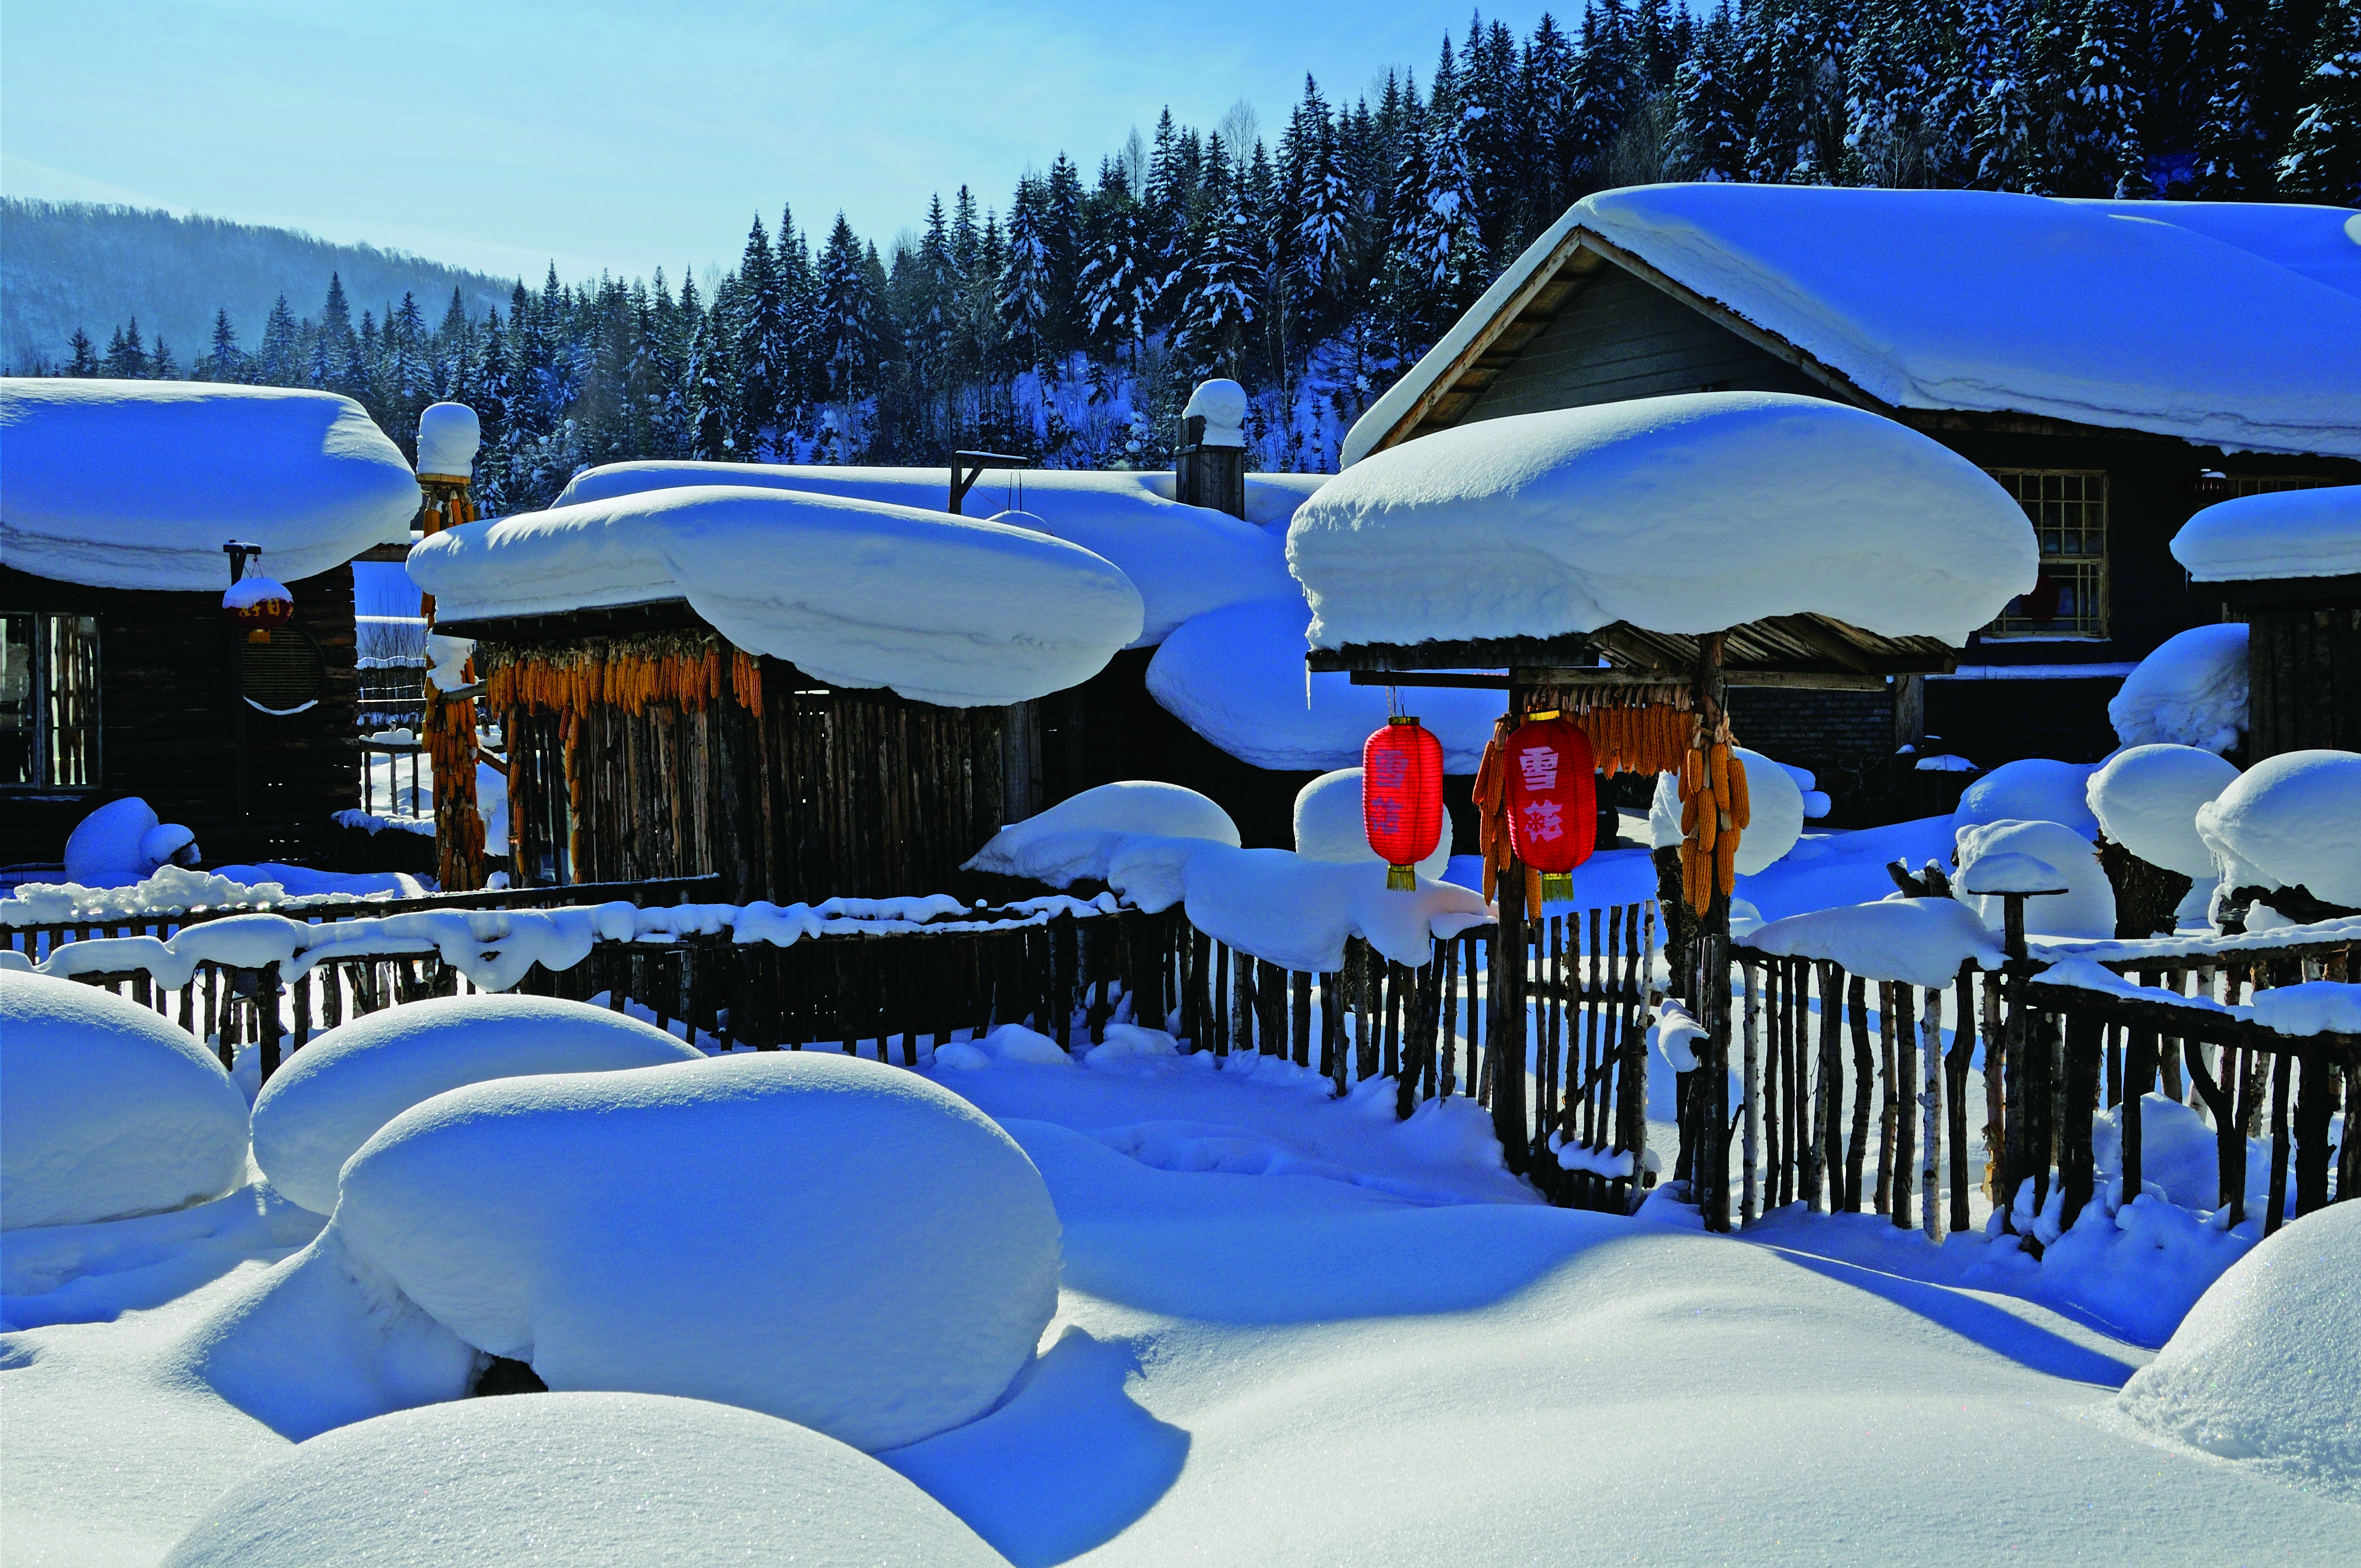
x,y
1401,798
258,604
1553,802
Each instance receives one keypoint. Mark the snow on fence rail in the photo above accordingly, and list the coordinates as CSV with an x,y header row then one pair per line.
x,y
2062,1036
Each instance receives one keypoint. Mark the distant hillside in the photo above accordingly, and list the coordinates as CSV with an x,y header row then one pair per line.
x,y
70,263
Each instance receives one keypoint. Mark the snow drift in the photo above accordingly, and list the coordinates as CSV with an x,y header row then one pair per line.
x,y
105,1110
1685,514
2264,1369
2295,819
856,593
137,484
1071,842
577,1480
2087,908
2287,533
2191,692
825,1239
2146,798
2032,789
122,843
1330,825
1235,676
348,1082
1184,560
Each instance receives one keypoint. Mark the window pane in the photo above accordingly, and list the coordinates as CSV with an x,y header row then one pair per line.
x,y
2069,513
72,760
15,700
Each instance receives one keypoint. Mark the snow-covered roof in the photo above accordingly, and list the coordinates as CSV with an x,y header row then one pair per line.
x,y
942,610
1682,514
2231,330
139,484
1185,560
2322,243
2288,534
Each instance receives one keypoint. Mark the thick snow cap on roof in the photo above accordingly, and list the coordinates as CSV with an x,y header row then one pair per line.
x,y
1185,560
2288,534
1987,301
139,484
942,610
2322,243
448,435
1681,514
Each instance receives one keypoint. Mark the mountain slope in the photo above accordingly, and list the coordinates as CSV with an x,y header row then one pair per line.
x,y
70,263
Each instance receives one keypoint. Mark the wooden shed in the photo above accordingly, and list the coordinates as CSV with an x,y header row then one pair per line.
x,y
121,674
2051,344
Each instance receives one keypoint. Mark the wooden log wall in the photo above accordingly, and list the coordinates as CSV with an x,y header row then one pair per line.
x,y
2303,679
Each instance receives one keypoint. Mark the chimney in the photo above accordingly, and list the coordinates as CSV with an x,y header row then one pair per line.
x,y
1210,468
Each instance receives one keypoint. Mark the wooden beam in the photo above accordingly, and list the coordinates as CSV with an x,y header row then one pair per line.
x,y
1468,678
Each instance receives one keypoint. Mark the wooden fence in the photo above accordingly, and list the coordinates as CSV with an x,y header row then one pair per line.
x,y
1814,1083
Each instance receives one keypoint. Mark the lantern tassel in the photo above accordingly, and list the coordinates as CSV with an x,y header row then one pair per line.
x,y
1557,887
1401,878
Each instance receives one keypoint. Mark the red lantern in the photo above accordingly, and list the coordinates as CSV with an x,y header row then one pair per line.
x,y
1401,798
1553,802
258,604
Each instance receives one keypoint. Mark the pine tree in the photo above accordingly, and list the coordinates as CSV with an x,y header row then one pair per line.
x,y
847,310
1025,277
160,366
763,349
713,384
126,357
82,357
1708,142
1117,292
2100,153
2323,153
1323,231
2232,161
332,343
224,361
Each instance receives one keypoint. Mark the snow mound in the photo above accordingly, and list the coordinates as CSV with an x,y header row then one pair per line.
x,y
1994,301
576,1479
1008,1043
1329,825
2263,1368
2296,818
826,1239
1685,514
1776,808
2010,872
1184,560
448,435
2314,1007
1235,676
1287,910
352,1079
2034,789
856,593
105,1110
2287,533
2191,692
2087,908
2146,798
1071,842
1224,405
136,484
1918,941
121,843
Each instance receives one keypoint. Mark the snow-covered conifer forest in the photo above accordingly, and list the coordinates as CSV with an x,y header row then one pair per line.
x,y
1312,259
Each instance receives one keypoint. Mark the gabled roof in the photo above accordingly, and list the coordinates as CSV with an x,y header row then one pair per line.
x,y
2215,329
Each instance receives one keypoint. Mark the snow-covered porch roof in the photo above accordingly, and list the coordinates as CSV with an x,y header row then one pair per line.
x,y
2230,329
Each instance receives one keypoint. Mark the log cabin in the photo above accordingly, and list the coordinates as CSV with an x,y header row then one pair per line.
x,y
2113,365
121,674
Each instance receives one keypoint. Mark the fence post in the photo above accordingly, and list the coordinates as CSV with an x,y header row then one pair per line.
x,y
1750,1197
1931,1208
2075,1173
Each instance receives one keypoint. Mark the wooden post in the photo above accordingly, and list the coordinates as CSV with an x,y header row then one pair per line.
x,y
1932,1209
1750,1147
2139,1067
1905,1126
1830,1111
2282,1069
2075,1171
1955,1085
1887,1106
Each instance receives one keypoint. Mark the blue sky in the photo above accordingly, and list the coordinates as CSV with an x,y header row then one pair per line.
x,y
501,136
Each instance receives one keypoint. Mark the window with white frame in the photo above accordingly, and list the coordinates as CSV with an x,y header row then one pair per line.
x,y
49,700
2068,509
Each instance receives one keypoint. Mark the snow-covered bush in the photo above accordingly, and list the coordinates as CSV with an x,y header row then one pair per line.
x,y
2146,798
1329,825
122,843
575,1479
2087,908
1071,842
2289,821
105,1110
2034,789
1009,1042
356,1078
2265,1367
826,1239
2191,692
